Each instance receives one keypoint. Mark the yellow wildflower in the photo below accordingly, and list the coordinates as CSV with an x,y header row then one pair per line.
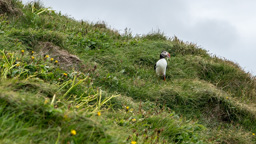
x,y
65,74
22,52
46,56
32,52
99,114
56,61
73,132
52,59
77,106
133,142
46,101
32,57
66,117
127,108
133,120
18,64
253,133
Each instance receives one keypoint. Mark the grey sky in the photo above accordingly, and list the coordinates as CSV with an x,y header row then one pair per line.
x,y
224,28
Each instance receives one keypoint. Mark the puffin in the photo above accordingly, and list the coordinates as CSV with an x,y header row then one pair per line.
x,y
161,64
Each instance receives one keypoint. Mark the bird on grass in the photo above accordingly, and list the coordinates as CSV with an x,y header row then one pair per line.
x,y
161,64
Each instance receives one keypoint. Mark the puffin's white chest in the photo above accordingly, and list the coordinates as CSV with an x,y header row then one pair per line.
x,y
161,67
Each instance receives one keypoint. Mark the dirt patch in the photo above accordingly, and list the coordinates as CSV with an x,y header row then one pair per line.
x,y
65,59
8,7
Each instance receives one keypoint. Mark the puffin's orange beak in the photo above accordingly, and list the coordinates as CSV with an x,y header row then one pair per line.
x,y
169,55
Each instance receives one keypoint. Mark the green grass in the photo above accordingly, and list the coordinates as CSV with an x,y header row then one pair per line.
x,y
205,99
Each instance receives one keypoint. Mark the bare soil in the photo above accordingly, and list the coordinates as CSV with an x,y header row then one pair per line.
x,y
65,59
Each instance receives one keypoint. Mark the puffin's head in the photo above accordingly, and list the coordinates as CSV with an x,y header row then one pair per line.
x,y
164,54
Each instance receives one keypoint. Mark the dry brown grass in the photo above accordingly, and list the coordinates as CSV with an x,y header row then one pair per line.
x,y
7,7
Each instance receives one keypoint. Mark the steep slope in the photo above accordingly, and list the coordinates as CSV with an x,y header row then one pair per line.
x,y
104,86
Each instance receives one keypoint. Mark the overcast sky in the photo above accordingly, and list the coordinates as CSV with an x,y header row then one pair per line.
x,y
226,28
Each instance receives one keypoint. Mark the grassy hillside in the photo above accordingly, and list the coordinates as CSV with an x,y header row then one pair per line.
x,y
68,81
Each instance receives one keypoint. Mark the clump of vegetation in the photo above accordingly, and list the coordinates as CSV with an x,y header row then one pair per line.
x,y
68,81
52,100
157,35
10,7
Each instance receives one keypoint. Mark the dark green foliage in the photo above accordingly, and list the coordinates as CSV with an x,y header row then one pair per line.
x,y
179,47
158,35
